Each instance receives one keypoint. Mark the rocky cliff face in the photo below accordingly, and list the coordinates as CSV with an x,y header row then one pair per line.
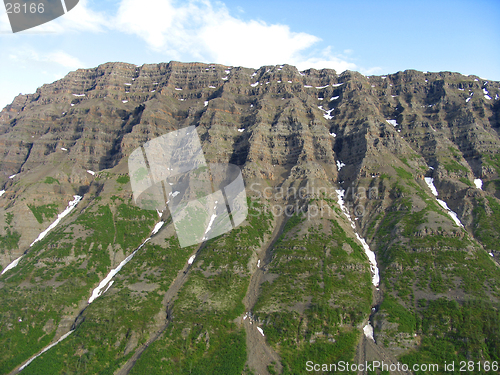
x,y
304,278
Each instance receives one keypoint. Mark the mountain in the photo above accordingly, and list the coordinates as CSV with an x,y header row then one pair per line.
x,y
371,235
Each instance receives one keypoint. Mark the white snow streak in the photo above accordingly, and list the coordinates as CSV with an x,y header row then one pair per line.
x,y
78,94
191,259
254,84
91,172
340,165
68,209
334,98
2,192
12,265
430,182
392,122
97,292
370,254
44,350
260,330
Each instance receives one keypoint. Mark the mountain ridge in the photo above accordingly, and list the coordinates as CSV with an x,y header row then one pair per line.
x,y
376,138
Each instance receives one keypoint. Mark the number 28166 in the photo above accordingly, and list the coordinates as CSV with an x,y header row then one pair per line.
x,y
16,8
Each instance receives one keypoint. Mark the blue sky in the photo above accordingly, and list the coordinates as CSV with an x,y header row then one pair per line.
x,y
373,37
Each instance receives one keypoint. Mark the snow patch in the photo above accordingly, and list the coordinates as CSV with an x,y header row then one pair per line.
x,y
109,286
14,175
157,227
337,84
241,130
191,259
333,135
392,122
368,331
211,87
64,149
254,84
260,330
206,103
479,183
124,101
322,87
97,292
12,265
430,182
44,350
78,94
467,100
2,192
340,165
452,214
334,98
178,89
72,204
307,86
91,172
369,253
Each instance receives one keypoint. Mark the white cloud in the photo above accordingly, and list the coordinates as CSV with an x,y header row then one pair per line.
x,y
199,30
27,56
371,71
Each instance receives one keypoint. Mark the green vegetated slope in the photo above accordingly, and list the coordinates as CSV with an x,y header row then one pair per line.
x,y
320,296
56,277
441,287
204,337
